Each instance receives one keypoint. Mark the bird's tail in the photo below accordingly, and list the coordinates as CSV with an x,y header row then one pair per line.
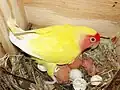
x,y
15,29
13,26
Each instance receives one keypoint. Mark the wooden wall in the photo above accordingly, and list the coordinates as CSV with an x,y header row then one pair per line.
x,y
8,9
88,9
102,15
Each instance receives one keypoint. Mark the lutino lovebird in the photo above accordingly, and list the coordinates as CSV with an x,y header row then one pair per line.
x,y
53,45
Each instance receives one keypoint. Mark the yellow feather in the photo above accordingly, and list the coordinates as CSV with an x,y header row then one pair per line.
x,y
59,44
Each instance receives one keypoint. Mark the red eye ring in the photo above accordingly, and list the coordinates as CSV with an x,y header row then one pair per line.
x,y
92,39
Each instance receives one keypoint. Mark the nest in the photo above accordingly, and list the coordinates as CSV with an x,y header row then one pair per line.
x,y
19,72
106,60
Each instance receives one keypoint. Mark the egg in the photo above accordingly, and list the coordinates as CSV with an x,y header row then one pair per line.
x,y
75,73
96,80
80,84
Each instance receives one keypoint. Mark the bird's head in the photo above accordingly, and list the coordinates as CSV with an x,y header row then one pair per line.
x,y
89,38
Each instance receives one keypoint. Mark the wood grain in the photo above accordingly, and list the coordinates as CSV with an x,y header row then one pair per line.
x,y
98,14
43,18
87,9
5,43
13,8
2,51
8,9
18,12
27,1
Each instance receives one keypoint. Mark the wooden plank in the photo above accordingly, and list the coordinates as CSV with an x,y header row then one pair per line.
x,y
87,9
7,45
43,17
98,14
27,1
18,12
14,9
2,51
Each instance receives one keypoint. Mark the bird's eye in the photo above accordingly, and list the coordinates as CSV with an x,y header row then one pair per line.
x,y
92,39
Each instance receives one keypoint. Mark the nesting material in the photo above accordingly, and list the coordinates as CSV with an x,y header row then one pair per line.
x,y
106,60
19,72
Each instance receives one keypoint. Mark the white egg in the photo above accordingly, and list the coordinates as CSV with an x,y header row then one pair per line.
x,y
80,84
41,68
75,73
96,80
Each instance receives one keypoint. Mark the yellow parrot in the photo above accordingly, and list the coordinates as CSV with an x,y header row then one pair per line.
x,y
53,45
